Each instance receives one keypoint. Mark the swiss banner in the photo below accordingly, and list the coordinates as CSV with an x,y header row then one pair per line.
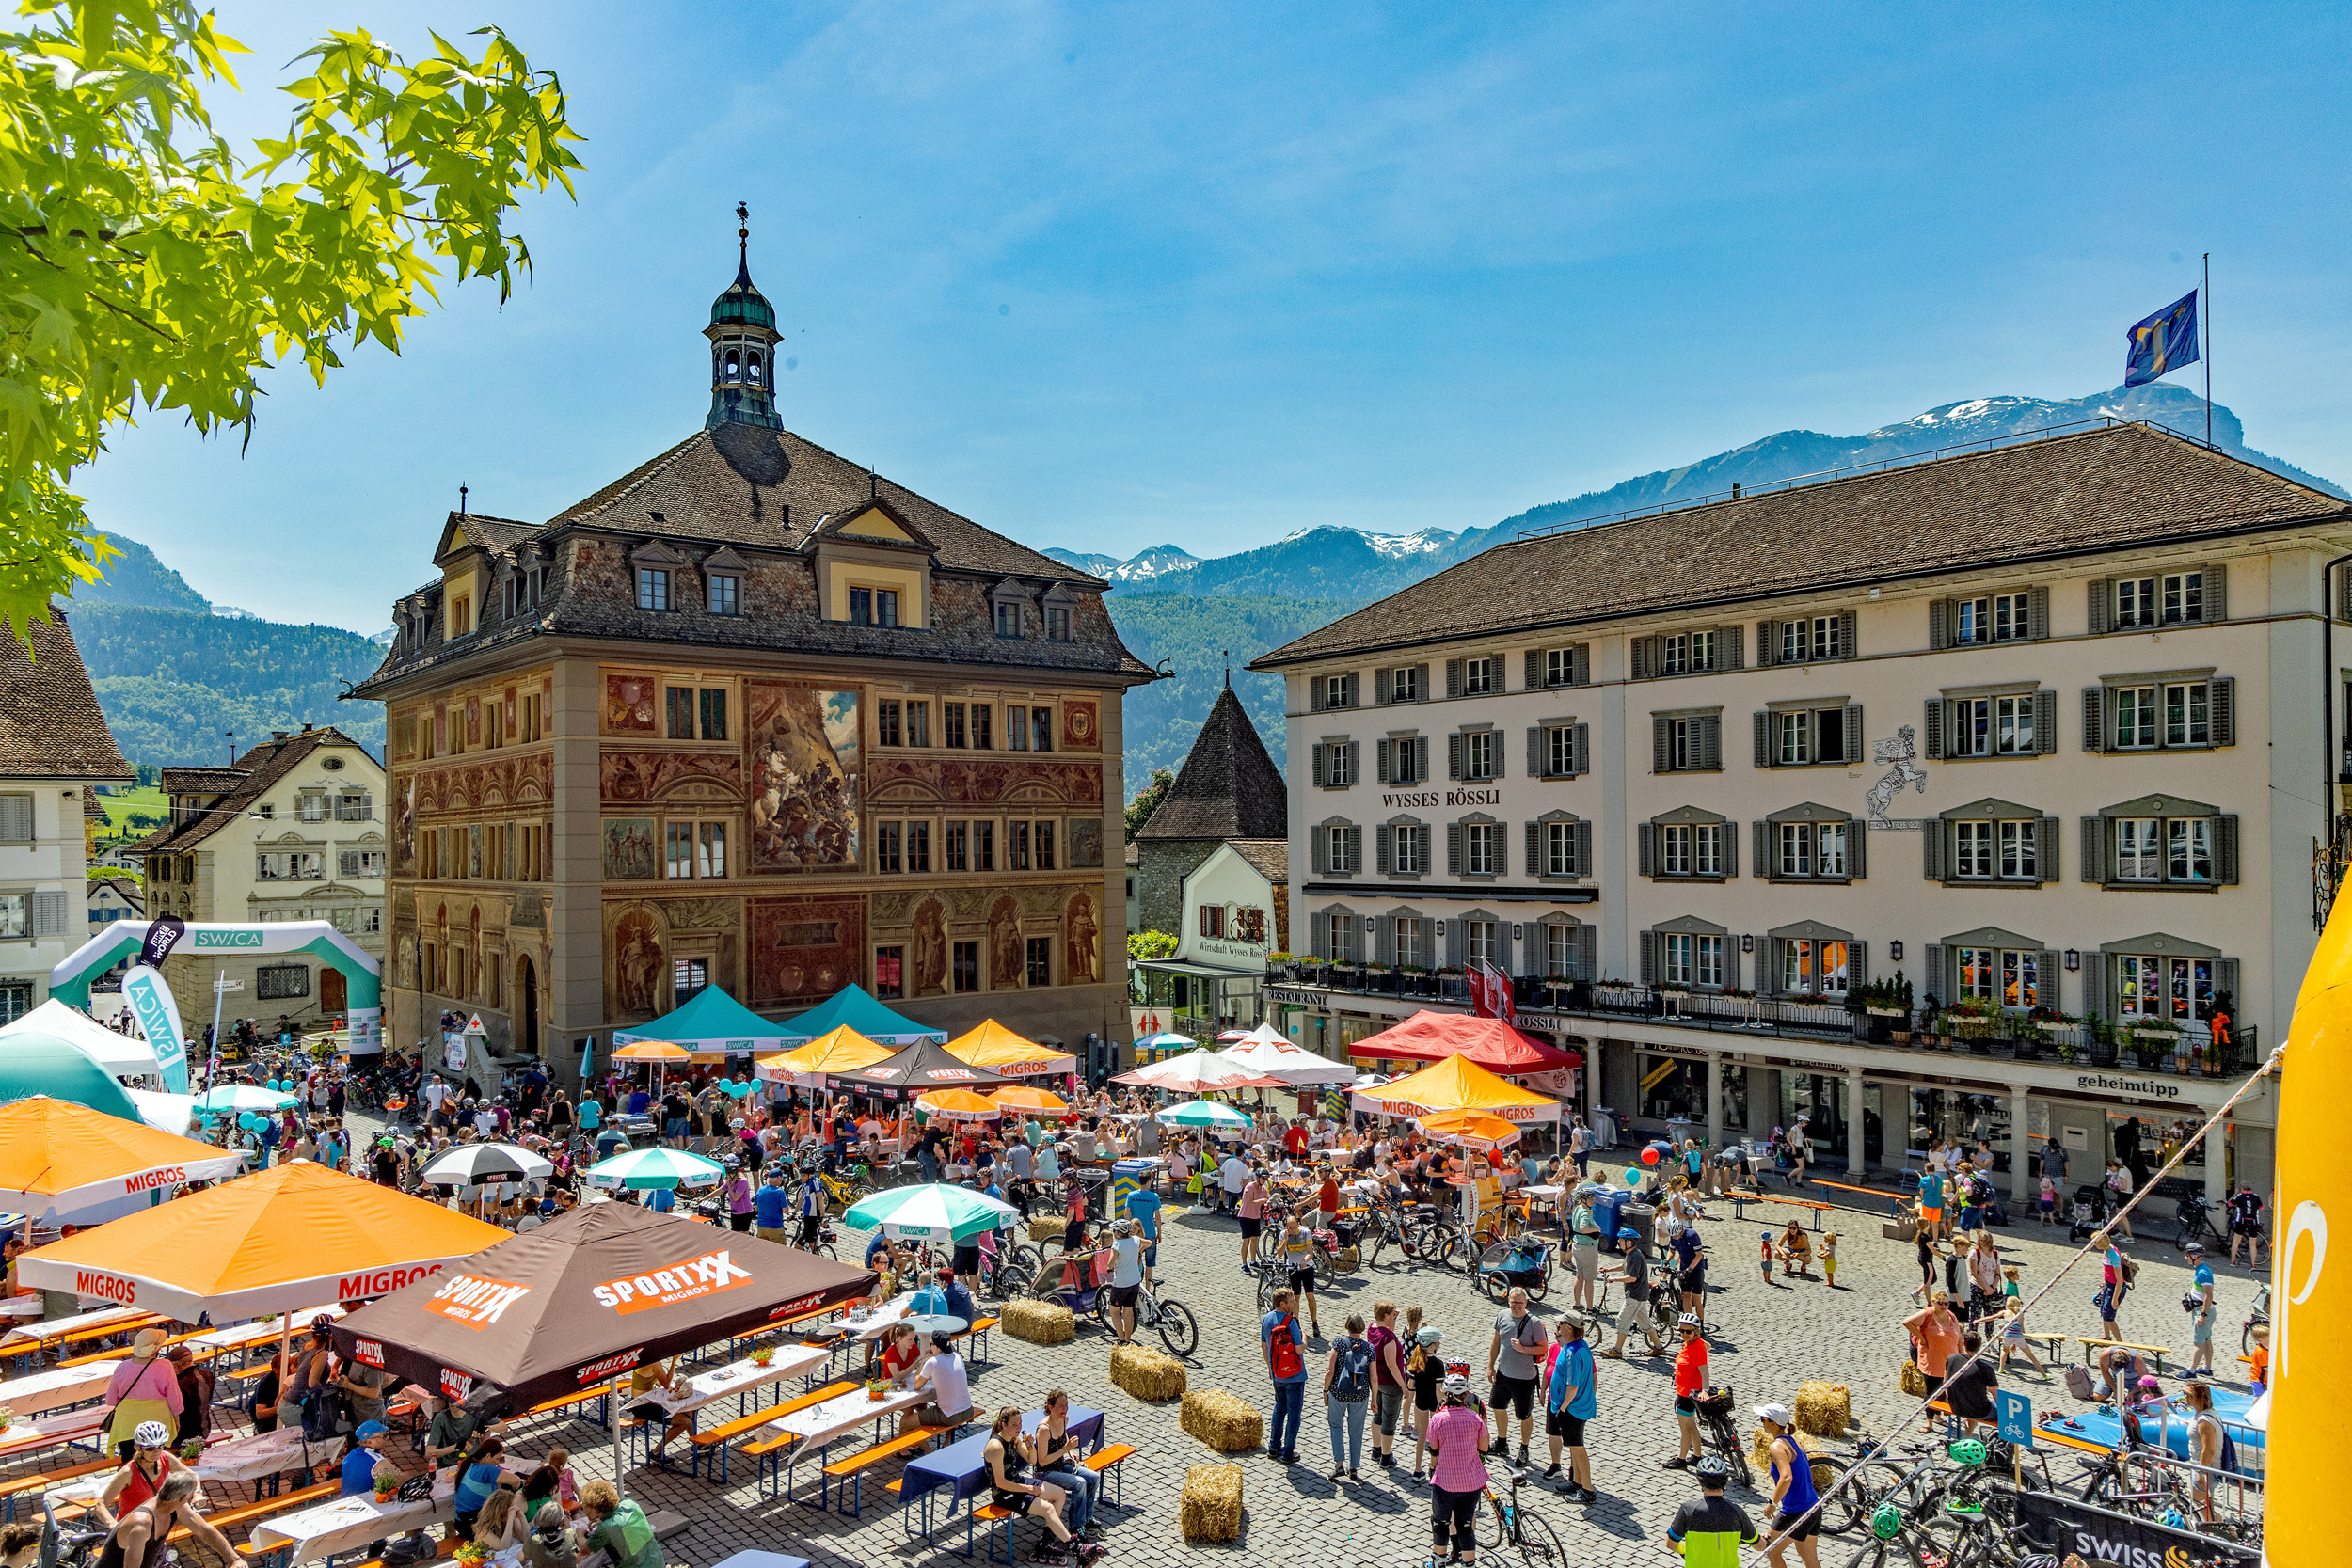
x,y
2063,1526
1491,992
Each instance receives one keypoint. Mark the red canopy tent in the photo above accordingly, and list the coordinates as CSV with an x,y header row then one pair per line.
x,y
1430,1036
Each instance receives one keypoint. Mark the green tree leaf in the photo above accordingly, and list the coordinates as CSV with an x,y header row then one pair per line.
x,y
145,265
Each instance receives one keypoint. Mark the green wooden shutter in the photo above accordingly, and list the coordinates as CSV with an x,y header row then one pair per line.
x,y
2224,698
2045,849
2094,719
1645,840
2225,848
1581,848
2094,849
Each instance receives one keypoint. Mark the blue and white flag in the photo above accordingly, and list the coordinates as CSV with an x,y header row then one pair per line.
x,y
2162,344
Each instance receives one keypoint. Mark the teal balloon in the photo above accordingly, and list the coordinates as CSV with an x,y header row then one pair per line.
x,y
1632,1176
248,1121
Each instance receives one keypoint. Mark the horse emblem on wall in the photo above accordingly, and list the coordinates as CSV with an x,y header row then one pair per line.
x,y
1901,752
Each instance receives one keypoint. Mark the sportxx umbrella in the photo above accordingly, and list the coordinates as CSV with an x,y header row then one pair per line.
x,y
654,1167
931,1213
63,1162
959,1105
1470,1129
282,1238
475,1164
1222,1119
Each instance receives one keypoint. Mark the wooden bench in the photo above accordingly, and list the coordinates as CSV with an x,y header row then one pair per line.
x,y
2053,1343
1110,1461
720,1437
990,1516
977,1334
1741,1198
852,1469
767,1449
2091,1345
42,1482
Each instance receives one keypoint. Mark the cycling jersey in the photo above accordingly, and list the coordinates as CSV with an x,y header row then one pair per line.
x,y
1710,1533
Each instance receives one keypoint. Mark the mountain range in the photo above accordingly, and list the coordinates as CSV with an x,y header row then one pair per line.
x,y
173,671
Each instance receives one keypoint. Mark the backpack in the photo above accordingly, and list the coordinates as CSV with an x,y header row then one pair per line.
x,y
1288,1363
1352,1382
2079,1384
2130,1269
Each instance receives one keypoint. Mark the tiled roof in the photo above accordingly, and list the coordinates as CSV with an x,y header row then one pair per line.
x,y
1270,857
254,775
741,485
492,533
1228,788
50,726
2068,495
201,781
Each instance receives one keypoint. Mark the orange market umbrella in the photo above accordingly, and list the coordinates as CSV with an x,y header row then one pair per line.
x,y
288,1238
992,1045
1472,1129
654,1050
959,1105
1457,1083
1020,1098
64,1161
841,1050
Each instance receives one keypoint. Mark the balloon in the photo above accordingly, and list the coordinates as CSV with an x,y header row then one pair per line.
x,y
1649,1155
248,1120
1632,1176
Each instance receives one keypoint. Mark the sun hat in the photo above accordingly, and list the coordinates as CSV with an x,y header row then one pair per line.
x,y
1779,1414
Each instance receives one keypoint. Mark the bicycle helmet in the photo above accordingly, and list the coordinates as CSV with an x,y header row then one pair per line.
x,y
150,1434
1711,1471
1964,1508
1626,1234
1886,1521
325,1319
1429,1336
1457,1383
1689,1319
1968,1451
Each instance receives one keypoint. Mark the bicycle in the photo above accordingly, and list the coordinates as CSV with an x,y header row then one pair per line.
x,y
2196,1224
1505,1521
1172,1318
2259,1318
1717,1431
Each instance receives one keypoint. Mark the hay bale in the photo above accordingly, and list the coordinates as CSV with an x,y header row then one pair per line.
x,y
1211,1502
1223,1422
1047,1228
1148,1374
1760,1449
1347,1259
1041,1322
1825,1409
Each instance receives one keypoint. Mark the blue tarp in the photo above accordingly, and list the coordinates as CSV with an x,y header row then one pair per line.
x,y
852,1007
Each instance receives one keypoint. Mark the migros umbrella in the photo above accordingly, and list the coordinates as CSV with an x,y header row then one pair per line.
x,y
1457,1083
842,1050
598,1291
1039,1101
959,1105
67,1162
1470,1129
294,1237
653,1051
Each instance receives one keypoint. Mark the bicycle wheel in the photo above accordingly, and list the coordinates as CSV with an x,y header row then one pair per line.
x,y
1267,1285
1539,1544
1543,1282
1490,1528
1845,1512
1376,1237
1323,1266
1178,1331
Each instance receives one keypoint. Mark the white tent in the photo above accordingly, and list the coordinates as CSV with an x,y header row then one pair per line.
x,y
166,1113
1268,1053
119,1055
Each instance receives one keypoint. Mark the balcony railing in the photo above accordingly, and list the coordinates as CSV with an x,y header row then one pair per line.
x,y
2010,1036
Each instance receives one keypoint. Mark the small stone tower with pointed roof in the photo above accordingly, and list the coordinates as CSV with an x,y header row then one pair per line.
x,y
1228,791
742,334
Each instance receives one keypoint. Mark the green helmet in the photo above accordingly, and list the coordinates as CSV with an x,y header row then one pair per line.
x,y
1886,1521
1968,1451
1964,1508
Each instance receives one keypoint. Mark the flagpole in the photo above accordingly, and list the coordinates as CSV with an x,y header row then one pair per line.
x,y
2207,345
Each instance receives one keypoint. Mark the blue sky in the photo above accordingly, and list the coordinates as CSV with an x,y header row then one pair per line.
x,y
1111,276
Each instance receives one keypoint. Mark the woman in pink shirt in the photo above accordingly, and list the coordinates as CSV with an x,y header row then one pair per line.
x,y
1457,1477
1252,1211
144,1388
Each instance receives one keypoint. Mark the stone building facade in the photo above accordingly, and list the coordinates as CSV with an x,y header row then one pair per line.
x,y
751,716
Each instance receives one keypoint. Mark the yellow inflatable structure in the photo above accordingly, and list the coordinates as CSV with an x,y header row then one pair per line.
x,y
2310,1302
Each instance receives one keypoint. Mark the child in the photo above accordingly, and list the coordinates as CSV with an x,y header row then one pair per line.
x,y
1828,1258
2047,1202
1767,1262
2258,1363
2013,1341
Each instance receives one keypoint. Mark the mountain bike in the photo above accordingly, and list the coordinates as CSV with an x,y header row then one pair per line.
x,y
1506,1521
1717,1431
1172,1318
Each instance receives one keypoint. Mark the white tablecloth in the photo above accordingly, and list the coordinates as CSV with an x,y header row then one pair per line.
x,y
58,1387
57,1328
870,1327
843,1413
738,1377
25,1437
266,1454
349,1523
266,1331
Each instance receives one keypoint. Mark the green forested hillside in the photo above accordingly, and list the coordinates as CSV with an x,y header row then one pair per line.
x,y
1196,634
134,576
170,681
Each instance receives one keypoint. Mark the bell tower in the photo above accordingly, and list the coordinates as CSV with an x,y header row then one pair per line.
x,y
742,334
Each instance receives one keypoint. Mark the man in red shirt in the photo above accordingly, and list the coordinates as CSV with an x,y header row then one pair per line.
x,y
1690,1384
1295,1140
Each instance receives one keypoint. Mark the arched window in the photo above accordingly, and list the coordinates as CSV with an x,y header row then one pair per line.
x,y
734,366
751,363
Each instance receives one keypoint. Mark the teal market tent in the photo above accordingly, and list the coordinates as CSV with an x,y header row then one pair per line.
x,y
36,1063
852,1007
713,1021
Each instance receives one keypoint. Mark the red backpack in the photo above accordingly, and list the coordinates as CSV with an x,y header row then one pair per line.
x,y
1288,1363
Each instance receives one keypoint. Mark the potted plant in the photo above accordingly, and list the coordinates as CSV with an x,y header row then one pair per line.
x,y
2154,1040
763,1354
2102,1040
877,1391
8,1417
2209,1059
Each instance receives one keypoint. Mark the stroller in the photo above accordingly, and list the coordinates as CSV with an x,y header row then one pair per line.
x,y
2088,1213
1521,1263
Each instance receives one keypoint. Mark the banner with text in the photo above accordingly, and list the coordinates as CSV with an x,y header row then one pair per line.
x,y
151,1001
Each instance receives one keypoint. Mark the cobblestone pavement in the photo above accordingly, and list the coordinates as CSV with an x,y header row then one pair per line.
x,y
1765,1339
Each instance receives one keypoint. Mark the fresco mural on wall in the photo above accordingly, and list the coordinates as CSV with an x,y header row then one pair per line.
x,y
630,704
804,949
631,852
807,770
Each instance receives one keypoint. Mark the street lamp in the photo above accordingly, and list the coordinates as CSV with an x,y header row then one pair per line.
x,y
231,736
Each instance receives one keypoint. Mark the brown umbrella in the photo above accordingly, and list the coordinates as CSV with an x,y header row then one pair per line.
x,y
580,1299
916,1070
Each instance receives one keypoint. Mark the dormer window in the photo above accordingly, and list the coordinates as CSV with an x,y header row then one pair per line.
x,y
653,588
873,607
1058,624
1007,618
